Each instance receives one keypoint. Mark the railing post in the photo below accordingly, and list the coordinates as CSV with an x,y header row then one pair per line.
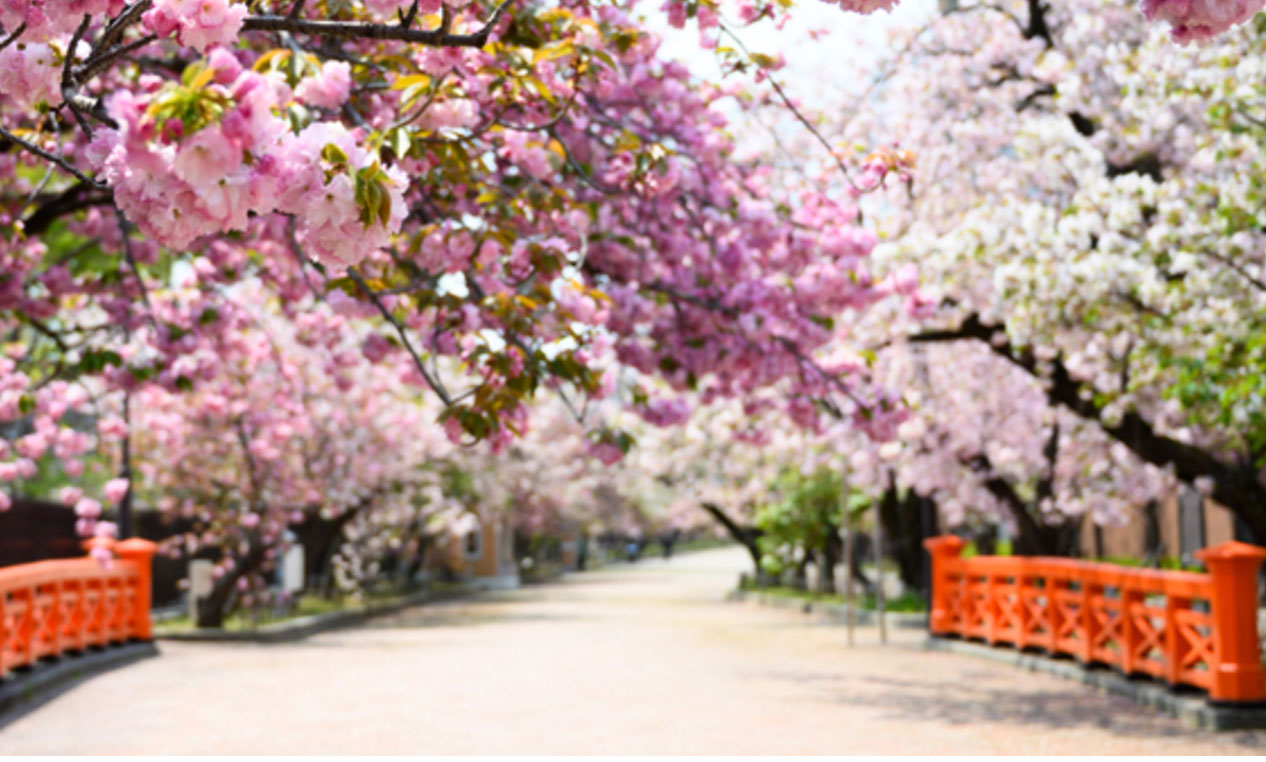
x,y
79,617
992,608
1237,673
1090,592
140,552
1055,589
1130,635
941,549
1023,616
57,616
1176,646
27,628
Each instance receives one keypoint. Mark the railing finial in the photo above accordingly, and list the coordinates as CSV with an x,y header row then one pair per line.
x,y
942,549
1237,671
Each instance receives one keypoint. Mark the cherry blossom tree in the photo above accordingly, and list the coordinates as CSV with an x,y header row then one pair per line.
x,y
1083,209
292,417
497,183
513,192
270,250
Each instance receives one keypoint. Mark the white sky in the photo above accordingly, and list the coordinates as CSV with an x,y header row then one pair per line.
x,y
817,70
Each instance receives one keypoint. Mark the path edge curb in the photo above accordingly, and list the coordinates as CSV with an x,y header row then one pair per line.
x,y
1193,711
23,691
304,627
832,612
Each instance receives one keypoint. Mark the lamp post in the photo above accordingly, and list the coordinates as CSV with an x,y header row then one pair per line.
x,y
846,534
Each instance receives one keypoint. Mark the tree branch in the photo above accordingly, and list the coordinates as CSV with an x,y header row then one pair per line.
x,y
366,31
1035,538
434,383
1235,484
16,34
67,202
58,160
745,535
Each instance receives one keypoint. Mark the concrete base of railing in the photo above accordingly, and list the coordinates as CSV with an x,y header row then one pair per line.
x,y
27,688
1193,710
833,612
302,627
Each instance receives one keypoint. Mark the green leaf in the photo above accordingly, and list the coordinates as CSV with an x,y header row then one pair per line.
x,y
334,155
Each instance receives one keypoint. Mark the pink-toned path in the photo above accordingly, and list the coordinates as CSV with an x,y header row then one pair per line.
x,y
640,659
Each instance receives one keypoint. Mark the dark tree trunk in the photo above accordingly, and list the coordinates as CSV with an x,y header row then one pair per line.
x,y
928,525
213,608
1152,534
863,549
1068,537
1034,538
800,573
826,570
418,561
329,538
903,535
745,536
1049,539
334,540
986,540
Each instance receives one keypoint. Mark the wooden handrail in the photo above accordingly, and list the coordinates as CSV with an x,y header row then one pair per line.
x,y
1185,628
49,608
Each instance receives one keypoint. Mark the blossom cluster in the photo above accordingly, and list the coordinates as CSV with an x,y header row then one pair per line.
x,y
181,179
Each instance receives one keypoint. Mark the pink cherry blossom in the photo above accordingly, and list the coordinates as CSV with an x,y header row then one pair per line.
x,y
87,508
376,348
102,556
115,489
199,24
329,87
29,73
1195,20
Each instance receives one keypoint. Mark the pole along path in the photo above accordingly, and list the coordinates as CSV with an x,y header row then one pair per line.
x,y
643,658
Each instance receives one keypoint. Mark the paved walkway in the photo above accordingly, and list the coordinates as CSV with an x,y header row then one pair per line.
x,y
639,659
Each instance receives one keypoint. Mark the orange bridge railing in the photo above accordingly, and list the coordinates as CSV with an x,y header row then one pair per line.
x,y
1185,628
48,608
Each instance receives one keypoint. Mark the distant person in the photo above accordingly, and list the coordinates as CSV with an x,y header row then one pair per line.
x,y
667,541
632,550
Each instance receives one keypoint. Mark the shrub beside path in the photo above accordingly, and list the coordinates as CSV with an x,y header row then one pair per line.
x,y
644,658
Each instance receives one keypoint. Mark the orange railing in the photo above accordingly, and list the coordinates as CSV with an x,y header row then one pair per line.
x,y
1181,627
48,608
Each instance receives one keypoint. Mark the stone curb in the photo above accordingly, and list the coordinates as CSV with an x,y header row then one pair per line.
x,y
303,627
832,612
27,689
1193,710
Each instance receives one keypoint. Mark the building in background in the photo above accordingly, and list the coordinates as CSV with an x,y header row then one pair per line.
x,y
1173,528
484,555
